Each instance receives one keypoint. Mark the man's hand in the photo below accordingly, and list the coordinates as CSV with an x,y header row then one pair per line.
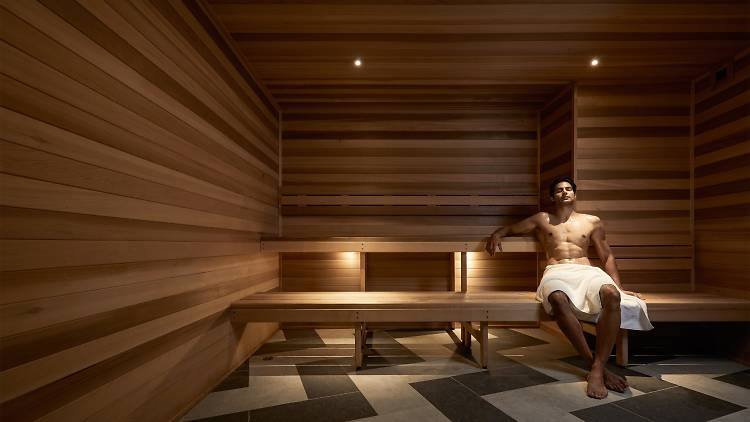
x,y
493,243
638,295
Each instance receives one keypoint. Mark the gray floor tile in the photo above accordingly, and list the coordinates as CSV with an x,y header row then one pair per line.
x,y
230,417
309,375
234,381
678,404
327,366
393,354
341,408
647,384
412,333
240,378
384,350
311,349
304,336
380,337
637,380
327,385
458,403
608,413
740,379
509,339
504,378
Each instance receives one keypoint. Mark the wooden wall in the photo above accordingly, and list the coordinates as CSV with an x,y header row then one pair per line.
x,y
320,271
722,178
393,272
555,143
632,162
139,168
408,166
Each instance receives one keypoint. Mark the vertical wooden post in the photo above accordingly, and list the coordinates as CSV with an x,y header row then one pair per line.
x,y
362,287
452,282
484,343
362,271
465,325
464,273
358,346
452,272
281,273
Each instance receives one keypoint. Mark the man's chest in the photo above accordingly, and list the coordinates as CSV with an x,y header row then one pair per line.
x,y
578,232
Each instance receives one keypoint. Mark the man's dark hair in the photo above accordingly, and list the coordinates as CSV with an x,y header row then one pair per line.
x,y
558,180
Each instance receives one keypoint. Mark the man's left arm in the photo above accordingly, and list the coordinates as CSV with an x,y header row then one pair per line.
x,y
599,237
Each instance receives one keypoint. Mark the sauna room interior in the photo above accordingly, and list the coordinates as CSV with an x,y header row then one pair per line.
x,y
277,210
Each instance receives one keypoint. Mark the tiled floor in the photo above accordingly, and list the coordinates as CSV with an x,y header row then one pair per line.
x,y
307,375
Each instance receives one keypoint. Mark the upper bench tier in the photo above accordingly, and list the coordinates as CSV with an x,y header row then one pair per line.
x,y
394,244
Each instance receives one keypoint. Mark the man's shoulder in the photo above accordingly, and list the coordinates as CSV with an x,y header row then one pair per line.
x,y
591,218
541,216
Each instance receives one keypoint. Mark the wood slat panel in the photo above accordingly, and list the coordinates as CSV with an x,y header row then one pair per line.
x,y
388,272
633,171
556,152
722,180
320,271
139,169
464,52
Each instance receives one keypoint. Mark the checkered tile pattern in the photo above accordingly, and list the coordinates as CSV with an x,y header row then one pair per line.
x,y
307,375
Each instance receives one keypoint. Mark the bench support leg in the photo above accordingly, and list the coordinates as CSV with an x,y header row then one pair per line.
x,y
466,335
358,344
621,346
484,343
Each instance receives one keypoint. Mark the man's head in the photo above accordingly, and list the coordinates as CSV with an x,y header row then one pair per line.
x,y
562,190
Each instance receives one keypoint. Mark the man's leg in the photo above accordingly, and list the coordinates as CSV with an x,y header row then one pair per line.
x,y
572,329
569,324
606,335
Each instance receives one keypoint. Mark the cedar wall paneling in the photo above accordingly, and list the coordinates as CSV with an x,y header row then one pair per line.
x,y
502,272
633,170
139,168
401,170
408,272
555,143
320,271
408,169
722,179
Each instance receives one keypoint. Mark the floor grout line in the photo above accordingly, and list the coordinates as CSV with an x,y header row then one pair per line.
x,y
631,412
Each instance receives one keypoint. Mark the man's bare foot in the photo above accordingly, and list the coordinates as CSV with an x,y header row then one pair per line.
x,y
615,382
596,387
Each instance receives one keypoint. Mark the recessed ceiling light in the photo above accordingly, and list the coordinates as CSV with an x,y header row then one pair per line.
x,y
594,62
358,62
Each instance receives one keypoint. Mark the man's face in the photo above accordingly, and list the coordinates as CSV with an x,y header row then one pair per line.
x,y
564,194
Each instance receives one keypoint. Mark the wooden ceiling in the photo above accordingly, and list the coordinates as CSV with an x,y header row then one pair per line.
x,y
468,51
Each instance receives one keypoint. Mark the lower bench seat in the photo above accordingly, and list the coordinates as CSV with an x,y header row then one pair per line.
x,y
359,308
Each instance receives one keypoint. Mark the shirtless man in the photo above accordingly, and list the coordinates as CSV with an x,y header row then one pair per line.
x,y
565,236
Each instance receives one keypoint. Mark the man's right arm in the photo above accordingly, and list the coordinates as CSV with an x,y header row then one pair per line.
x,y
524,226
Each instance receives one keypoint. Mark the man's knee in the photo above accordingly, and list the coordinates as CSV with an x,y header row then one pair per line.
x,y
610,296
558,299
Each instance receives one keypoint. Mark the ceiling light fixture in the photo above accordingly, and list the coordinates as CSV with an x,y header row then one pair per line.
x,y
595,62
358,62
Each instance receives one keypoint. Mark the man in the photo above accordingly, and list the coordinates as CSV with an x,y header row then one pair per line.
x,y
572,289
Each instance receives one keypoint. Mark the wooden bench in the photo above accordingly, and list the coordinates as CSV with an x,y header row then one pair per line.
x,y
360,308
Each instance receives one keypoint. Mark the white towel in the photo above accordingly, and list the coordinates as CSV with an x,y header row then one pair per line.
x,y
581,283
